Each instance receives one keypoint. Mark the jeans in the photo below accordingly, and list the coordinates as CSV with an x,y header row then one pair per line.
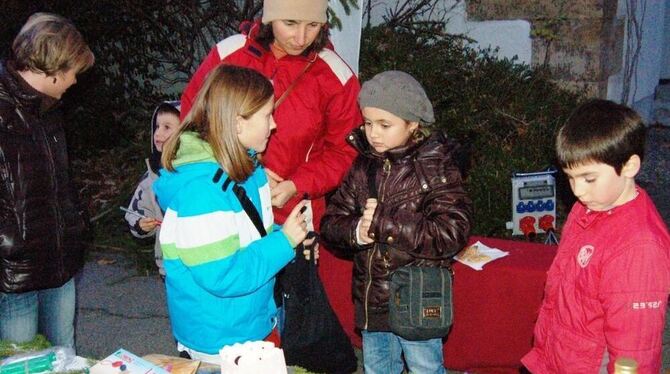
x,y
49,312
382,354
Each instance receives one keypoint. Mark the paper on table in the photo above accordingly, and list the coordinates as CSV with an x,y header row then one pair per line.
x,y
478,254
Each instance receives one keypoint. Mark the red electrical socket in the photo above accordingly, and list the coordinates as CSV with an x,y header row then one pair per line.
x,y
527,226
546,223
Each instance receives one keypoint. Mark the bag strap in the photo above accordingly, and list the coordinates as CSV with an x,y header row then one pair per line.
x,y
249,208
244,200
292,85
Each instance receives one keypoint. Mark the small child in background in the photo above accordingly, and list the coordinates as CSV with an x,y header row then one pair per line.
x,y
421,209
164,122
607,289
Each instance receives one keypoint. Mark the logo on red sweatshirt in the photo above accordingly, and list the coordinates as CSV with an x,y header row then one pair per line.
x,y
584,255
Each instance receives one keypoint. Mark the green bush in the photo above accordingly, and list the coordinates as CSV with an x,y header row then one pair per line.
x,y
108,179
505,113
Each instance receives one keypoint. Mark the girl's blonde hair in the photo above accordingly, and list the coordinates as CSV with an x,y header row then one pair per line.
x,y
228,92
49,43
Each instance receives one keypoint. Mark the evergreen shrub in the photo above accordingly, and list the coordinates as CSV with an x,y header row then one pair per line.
x,y
504,113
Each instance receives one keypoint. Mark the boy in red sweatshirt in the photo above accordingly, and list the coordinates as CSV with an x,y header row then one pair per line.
x,y
607,289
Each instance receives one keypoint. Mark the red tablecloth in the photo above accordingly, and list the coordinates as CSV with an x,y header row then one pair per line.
x,y
494,309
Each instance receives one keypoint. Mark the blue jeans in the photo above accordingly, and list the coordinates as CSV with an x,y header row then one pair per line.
x,y
382,354
50,312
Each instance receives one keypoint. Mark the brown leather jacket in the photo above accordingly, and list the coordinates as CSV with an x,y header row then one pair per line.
x,y
422,211
40,225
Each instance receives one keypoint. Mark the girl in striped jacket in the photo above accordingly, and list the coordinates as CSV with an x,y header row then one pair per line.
x,y
220,271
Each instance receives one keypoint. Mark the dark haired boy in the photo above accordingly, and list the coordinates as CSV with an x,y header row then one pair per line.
x,y
607,289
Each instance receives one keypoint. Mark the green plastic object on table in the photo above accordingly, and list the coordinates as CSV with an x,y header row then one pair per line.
x,y
32,365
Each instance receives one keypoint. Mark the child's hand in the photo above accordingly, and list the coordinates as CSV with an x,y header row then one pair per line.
x,y
366,221
311,240
295,227
148,224
306,253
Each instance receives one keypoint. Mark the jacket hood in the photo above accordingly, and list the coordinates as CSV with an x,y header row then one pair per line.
x,y
194,158
155,158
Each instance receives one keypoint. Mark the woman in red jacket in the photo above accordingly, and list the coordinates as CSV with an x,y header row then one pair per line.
x,y
315,93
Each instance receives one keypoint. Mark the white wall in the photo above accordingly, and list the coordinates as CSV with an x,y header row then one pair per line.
x,y
665,62
648,72
348,40
512,37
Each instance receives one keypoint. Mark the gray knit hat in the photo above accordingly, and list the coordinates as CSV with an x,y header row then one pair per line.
x,y
398,93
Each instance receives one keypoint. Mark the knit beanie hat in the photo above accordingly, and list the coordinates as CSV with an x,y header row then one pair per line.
x,y
398,93
298,10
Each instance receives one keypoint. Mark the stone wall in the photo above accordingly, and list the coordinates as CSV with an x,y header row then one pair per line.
x,y
581,41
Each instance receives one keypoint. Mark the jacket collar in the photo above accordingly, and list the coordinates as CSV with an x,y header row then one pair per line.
x,y
587,217
358,140
14,87
192,149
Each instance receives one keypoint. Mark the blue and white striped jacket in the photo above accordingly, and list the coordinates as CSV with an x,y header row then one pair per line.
x,y
220,272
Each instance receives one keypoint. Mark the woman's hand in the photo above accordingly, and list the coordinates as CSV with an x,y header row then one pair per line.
x,y
282,193
295,226
273,178
366,221
148,224
281,190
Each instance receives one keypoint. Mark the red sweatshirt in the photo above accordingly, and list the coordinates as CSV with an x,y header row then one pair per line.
x,y
606,291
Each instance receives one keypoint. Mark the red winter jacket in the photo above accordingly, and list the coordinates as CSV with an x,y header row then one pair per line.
x,y
309,145
606,290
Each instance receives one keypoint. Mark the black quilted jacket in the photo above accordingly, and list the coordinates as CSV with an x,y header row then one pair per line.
x,y
422,212
40,226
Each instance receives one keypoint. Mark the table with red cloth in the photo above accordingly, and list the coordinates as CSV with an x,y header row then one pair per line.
x,y
494,309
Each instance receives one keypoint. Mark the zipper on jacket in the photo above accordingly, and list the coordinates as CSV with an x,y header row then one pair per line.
x,y
386,167
387,170
56,207
367,286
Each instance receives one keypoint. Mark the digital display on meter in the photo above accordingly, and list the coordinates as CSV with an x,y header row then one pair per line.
x,y
536,192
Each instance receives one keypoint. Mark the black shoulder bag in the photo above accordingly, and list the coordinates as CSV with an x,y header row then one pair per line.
x,y
420,302
312,336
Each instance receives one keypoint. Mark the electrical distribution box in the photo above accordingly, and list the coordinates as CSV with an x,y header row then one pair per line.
x,y
533,203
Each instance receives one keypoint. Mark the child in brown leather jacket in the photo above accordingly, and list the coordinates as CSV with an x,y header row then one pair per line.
x,y
418,208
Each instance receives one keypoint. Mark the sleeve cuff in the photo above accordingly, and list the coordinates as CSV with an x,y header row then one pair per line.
x,y
136,227
359,241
